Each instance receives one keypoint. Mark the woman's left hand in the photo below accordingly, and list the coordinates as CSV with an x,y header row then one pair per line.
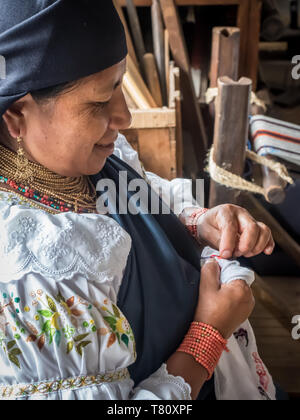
x,y
234,232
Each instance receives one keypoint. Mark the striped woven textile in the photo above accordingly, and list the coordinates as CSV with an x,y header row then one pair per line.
x,y
274,137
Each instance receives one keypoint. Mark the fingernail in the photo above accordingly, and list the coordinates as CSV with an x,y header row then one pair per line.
x,y
226,254
209,260
269,250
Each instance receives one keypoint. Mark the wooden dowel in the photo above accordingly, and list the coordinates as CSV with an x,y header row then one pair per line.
x,y
131,50
131,67
231,134
130,102
274,186
136,33
134,91
152,78
159,46
167,63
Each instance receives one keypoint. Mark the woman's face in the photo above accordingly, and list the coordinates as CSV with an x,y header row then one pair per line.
x,y
74,133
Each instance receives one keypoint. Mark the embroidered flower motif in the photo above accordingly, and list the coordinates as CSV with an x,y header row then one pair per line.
x,y
57,248
119,327
109,235
16,238
27,224
261,372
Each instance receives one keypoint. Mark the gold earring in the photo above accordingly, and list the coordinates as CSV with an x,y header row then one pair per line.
x,y
23,172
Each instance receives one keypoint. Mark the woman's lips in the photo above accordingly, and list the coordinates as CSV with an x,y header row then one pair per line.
x,y
107,149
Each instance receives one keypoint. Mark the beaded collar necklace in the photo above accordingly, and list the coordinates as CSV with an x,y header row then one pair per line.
x,y
57,192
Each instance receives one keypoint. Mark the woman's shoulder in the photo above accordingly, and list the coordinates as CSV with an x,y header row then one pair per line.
x,y
33,240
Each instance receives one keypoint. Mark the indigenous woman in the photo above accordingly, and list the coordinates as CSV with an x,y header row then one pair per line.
x,y
106,306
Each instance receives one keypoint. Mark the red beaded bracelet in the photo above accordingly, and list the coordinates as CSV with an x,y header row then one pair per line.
x,y
205,344
192,221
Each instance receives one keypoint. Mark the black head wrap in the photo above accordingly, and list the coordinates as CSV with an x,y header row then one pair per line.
x,y
44,43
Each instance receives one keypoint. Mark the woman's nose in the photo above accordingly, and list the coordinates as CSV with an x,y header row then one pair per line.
x,y
120,115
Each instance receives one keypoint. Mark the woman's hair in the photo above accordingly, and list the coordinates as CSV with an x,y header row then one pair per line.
x,y
44,95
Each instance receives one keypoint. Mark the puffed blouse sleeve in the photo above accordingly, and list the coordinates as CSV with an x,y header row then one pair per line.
x,y
59,319
179,188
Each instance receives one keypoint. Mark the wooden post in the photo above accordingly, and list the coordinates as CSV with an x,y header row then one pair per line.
x,y
225,58
225,54
231,133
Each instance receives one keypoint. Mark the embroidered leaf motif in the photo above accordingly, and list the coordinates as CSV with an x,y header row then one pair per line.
x,y
70,346
31,338
54,320
125,339
118,337
46,327
57,338
41,342
51,304
76,312
45,313
116,311
60,298
80,346
11,344
111,340
15,352
111,321
80,337
70,302
14,360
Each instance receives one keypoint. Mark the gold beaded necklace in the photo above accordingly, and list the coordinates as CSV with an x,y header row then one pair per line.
x,y
78,193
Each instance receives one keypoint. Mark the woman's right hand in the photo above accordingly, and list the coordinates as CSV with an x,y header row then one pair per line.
x,y
224,307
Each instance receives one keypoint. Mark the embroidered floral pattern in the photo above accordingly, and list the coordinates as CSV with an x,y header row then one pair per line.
x,y
57,244
8,315
108,235
54,322
59,321
13,352
46,387
261,372
118,325
56,248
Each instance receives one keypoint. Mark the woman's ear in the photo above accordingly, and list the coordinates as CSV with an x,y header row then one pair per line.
x,y
14,119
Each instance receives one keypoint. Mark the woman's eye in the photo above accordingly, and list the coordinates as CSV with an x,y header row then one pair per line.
x,y
101,104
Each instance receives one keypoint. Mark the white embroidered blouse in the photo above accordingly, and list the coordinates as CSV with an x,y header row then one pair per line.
x,y
62,335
